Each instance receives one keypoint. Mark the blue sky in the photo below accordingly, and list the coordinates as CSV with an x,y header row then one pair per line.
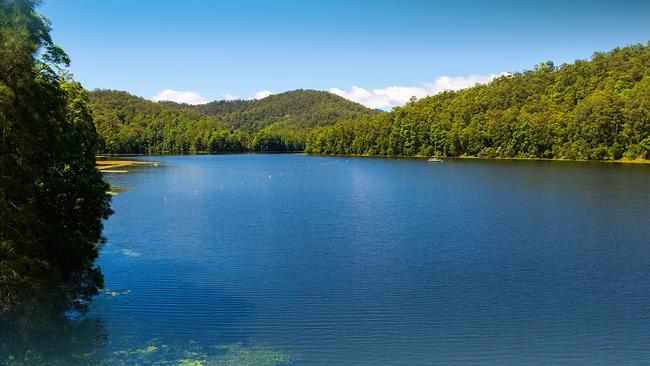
x,y
374,52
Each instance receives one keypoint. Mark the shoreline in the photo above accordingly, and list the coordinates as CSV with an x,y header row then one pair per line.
x,y
619,161
118,166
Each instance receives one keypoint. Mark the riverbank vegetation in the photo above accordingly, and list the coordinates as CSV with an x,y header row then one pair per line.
x,y
281,122
589,110
52,198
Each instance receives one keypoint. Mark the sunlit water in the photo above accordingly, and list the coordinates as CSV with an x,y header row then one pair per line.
x,y
291,259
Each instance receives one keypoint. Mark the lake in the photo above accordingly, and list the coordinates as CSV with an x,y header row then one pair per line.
x,y
303,260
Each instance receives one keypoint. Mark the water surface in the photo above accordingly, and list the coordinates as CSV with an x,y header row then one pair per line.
x,y
291,259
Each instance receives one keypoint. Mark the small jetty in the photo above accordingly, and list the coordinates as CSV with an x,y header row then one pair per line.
x,y
435,160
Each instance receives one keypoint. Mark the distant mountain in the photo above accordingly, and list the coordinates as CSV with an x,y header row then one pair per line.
x,y
297,109
130,124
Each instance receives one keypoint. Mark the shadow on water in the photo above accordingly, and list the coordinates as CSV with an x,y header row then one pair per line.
x,y
118,329
52,337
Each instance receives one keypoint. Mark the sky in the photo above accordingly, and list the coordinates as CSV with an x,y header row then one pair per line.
x,y
378,53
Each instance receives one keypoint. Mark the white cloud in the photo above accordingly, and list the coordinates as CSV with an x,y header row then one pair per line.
x,y
389,97
261,94
229,97
171,95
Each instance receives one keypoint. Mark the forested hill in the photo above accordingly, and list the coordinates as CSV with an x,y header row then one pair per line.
x,y
298,109
597,109
130,124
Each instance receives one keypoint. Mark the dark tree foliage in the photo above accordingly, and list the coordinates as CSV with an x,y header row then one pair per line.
x,y
129,124
595,110
52,198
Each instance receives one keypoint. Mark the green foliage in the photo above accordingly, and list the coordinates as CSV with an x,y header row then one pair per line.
x,y
295,110
52,199
597,109
129,124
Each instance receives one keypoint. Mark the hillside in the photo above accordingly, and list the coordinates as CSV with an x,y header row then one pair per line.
x,y
298,109
597,109
130,124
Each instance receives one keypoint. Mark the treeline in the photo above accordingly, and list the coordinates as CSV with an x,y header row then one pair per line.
x,y
596,110
129,124
52,198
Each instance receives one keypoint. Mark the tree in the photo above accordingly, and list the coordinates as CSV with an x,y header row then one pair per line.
x,y
52,198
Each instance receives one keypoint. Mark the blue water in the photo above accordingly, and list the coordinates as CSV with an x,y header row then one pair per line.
x,y
292,259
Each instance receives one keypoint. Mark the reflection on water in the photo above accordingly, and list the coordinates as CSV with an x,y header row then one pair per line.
x,y
51,339
70,340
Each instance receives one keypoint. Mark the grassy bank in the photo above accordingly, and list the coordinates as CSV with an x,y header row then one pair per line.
x,y
118,166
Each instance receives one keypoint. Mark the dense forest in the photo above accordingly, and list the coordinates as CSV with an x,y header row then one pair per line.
x,y
281,122
52,198
595,110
